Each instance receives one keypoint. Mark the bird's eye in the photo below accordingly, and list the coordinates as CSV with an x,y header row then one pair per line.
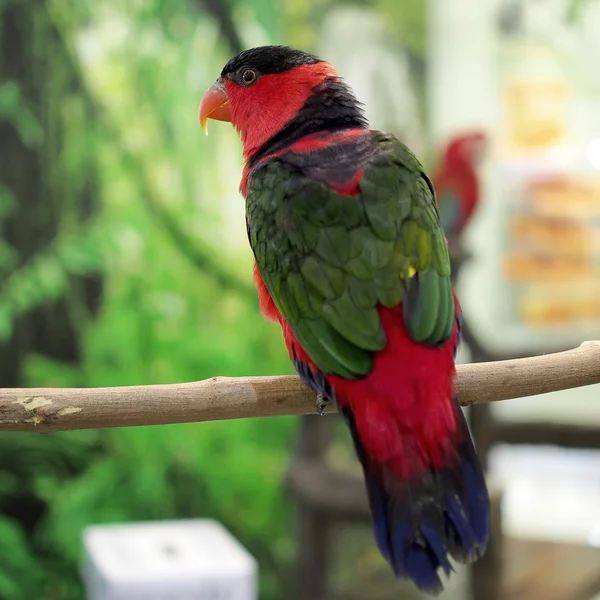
x,y
248,76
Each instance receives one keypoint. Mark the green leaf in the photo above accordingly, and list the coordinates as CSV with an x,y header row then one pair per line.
x,y
14,109
6,321
7,202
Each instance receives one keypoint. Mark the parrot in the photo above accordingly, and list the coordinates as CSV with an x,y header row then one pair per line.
x,y
352,263
456,181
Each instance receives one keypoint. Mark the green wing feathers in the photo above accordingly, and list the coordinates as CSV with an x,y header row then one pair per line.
x,y
329,260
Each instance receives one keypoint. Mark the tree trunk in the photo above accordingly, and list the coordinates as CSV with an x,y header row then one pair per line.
x,y
49,182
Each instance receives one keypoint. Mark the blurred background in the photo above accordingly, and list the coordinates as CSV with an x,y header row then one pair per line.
x,y
124,260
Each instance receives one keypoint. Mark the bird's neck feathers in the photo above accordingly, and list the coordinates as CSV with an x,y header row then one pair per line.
x,y
286,107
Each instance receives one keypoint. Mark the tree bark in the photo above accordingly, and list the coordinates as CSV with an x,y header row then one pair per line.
x,y
219,398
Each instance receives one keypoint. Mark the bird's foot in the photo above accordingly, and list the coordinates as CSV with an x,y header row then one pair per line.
x,y
322,403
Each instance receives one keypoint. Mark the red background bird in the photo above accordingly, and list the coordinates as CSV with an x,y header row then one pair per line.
x,y
456,181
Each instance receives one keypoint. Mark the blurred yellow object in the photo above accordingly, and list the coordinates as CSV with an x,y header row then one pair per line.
x,y
540,308
529,268
536,112
571,239
566,196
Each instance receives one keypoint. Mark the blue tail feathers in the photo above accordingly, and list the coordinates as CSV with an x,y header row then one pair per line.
x,y
419,523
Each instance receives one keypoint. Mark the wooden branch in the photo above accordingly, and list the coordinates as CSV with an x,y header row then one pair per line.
x,y
58,409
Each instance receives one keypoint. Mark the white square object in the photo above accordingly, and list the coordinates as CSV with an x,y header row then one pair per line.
x,y
194,559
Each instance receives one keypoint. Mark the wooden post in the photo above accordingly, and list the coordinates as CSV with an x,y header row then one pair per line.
x,y
486,575
314,535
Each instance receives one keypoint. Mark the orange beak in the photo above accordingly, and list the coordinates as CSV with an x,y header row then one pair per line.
x,y
214,105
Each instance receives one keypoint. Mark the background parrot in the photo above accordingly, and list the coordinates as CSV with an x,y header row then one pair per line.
x,y
456,181
351,261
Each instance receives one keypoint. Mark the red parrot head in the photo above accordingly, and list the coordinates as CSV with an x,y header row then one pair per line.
x,y
466,148
263,89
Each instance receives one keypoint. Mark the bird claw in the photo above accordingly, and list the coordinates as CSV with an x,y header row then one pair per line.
x,y
322,402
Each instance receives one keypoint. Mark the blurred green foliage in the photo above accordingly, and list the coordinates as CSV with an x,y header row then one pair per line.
x,y
405,21
170,245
